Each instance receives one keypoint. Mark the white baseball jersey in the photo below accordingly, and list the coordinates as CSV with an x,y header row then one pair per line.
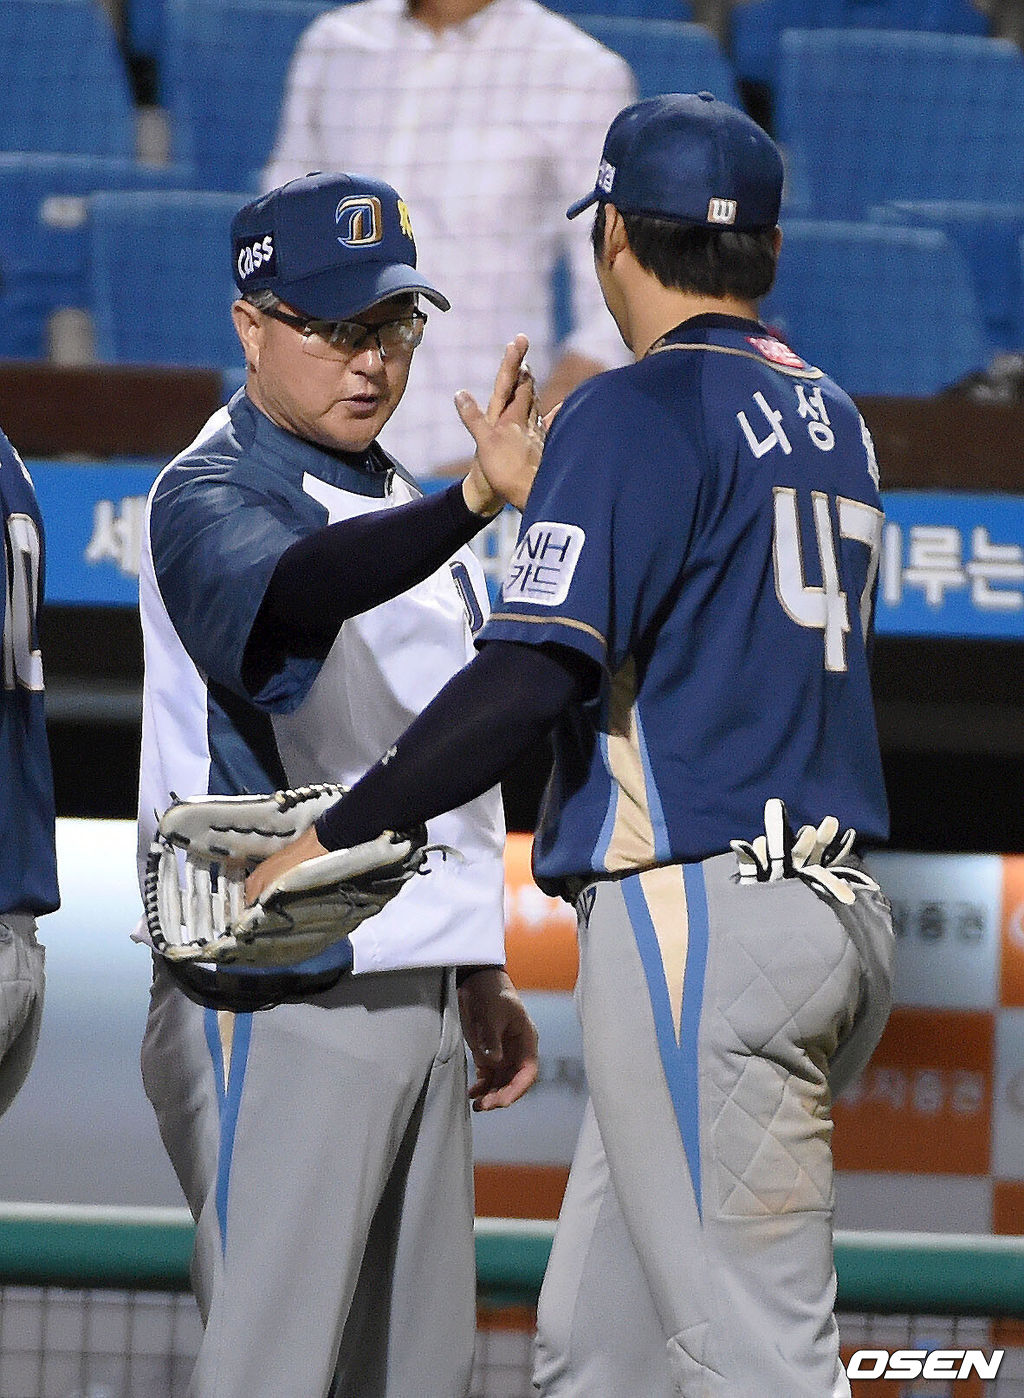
x,y
218,519
490,129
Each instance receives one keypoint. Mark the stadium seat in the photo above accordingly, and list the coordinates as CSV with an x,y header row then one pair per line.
x,y
884,310
987,235
43,246
146,22
64,82
144,26
223,96
867,117
666,55
160,277
626,9
755,28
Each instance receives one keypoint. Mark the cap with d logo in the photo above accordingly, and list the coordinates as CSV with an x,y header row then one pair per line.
x,y
689,158
330,245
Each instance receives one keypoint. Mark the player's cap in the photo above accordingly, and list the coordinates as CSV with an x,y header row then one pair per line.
x,y
330,245
692,159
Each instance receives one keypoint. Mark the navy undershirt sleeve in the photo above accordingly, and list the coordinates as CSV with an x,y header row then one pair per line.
x,y
467,737
345,569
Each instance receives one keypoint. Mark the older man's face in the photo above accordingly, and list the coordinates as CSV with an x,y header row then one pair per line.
x,y
336,397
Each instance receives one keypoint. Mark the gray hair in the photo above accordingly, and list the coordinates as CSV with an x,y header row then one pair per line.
x,y
264,299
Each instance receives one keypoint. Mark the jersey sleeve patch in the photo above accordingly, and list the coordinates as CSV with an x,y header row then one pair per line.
x,y
776,352
543,564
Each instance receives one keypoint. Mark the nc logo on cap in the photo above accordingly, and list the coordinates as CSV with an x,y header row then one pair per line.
x,y
361,219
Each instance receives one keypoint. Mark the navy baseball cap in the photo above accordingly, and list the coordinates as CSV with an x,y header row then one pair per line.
x,y
330,245
692,159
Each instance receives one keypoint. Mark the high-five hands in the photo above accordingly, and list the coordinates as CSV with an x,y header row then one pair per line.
x,y
509,437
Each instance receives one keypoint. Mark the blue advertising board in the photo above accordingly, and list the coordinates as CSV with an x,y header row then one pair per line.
x,y
93,516
950,565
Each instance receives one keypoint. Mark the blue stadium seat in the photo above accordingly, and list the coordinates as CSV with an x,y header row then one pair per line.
x,y
987,235
43,245
755,28
144,26
224,70
160,277
666,55
146,22
868,117
65,86
1018,345
884,310
626,9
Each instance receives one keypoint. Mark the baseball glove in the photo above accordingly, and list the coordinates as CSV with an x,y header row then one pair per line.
x,y
194,891
815,854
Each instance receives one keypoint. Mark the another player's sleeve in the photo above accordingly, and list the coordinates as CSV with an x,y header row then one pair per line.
x,y
604,535
215,546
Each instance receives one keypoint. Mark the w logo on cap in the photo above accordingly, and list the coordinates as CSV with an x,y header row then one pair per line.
x,y
361,221
722,211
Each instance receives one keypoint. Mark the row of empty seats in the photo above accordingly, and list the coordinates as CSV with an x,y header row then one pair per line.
x,y
754,26
68,91
876,129
886,309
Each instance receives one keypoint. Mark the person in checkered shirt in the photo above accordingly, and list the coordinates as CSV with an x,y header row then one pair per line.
x,y
489,117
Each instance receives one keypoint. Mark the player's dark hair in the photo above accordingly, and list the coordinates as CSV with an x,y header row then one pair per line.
x,y
708,261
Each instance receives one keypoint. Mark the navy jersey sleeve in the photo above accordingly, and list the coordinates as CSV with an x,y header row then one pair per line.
x,y
215,546
589,569
28,870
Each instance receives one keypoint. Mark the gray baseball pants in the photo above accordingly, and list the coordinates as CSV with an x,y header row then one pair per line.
x,y
693,1254
22,989
324,1149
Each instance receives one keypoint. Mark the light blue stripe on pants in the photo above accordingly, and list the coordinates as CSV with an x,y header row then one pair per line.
x,y
694,1252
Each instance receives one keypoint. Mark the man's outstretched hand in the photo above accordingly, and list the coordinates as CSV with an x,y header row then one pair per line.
x,y
509,436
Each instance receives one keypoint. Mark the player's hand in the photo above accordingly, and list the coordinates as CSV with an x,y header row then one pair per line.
x,y
509,437
502,1039
307,846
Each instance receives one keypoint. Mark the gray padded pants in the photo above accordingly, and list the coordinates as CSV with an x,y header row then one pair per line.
x,y
693,1255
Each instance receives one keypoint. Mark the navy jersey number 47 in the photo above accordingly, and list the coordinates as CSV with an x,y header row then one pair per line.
x,y
706,526
824,605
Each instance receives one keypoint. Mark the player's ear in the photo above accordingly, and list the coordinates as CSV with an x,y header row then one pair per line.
x,y
615,240
248,328
777,242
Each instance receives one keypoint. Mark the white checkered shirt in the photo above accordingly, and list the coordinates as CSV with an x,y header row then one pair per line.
x,y
488,131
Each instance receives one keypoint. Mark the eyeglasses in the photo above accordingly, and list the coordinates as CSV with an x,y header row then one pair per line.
x,y
342,339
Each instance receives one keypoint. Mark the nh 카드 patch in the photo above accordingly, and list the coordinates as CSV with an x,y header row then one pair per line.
x,y
543,564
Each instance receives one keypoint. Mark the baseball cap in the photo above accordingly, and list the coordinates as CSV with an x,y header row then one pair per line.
x,y
690,158
329,244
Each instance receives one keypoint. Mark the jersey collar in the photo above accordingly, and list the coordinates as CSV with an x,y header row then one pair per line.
x,y
697,326
362,473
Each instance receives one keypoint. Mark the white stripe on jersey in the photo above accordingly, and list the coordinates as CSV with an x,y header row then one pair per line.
x,y
383,669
